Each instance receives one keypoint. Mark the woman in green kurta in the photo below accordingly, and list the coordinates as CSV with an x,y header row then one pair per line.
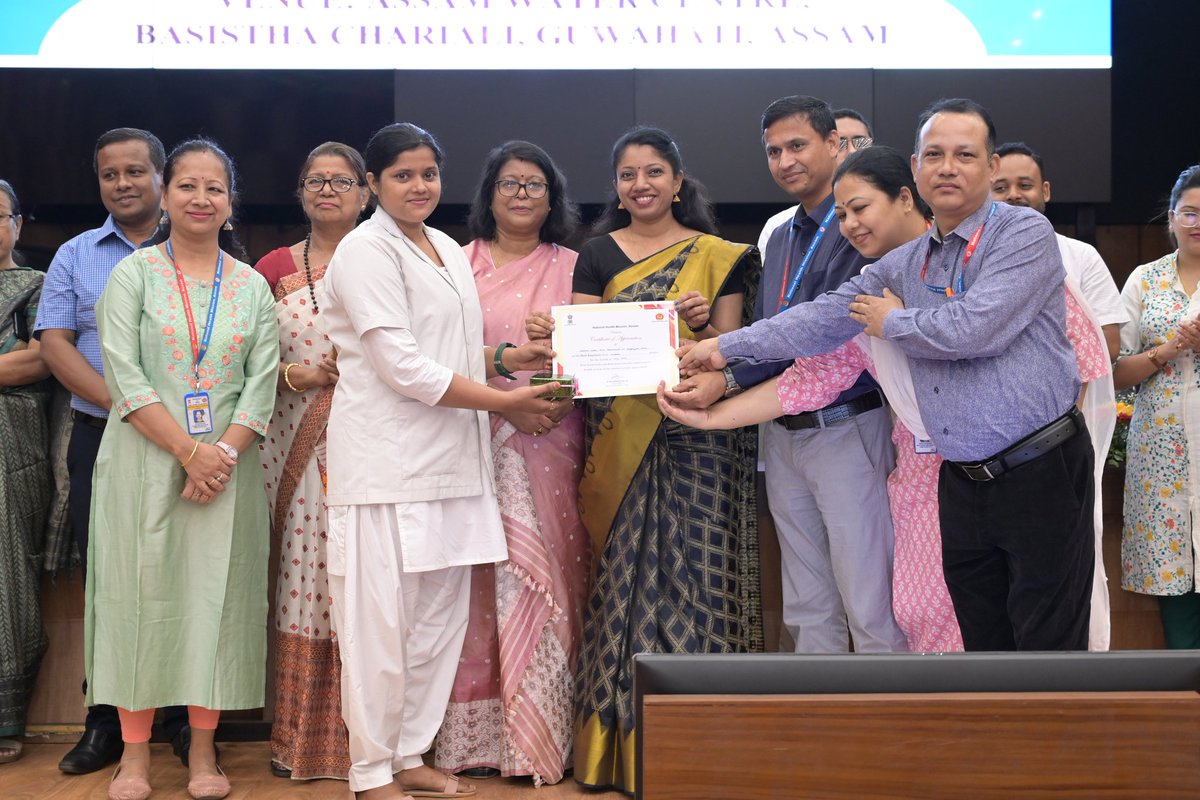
x,y
177,566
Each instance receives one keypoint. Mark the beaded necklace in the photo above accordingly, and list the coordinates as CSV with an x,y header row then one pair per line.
x,y
308,272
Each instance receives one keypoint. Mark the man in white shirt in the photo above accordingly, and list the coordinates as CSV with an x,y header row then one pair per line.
x,y
1021,182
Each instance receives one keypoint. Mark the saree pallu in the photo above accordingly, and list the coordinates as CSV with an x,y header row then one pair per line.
x,y
672,513
26,491
512,706
308,735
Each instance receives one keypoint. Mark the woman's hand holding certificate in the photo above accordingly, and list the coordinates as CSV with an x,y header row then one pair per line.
x,y
615,349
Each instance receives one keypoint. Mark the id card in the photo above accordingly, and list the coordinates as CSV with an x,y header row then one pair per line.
x,y
923,446
199,414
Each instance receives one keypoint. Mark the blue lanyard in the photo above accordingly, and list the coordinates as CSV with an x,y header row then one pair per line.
x,y
199,349
785,300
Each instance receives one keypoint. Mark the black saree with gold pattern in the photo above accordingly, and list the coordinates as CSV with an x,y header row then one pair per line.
x,y
671,511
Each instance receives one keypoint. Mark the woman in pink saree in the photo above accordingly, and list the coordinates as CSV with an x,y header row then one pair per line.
x,y
511,710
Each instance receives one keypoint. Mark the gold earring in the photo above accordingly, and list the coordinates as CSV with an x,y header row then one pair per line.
x,y
228,226
676,200
620,206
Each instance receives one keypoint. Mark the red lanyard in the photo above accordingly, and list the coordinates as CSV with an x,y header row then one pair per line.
x,y
970,251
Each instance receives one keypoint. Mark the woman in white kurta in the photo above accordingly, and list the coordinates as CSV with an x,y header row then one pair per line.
x,y
411,498
1159,549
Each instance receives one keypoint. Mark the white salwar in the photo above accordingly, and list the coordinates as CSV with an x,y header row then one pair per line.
x,y
411,498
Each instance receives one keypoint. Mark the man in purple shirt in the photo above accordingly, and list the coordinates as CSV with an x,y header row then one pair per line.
x,y
826,470
978,305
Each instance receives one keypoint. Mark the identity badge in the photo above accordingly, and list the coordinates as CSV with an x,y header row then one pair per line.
x,y
199,414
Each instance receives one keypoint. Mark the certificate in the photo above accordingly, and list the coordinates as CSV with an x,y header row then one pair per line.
x,y
614,349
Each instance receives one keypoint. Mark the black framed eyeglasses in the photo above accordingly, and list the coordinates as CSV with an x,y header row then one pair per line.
x,y
533,189
859,142
339,184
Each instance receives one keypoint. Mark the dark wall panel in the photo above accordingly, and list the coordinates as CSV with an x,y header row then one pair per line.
x,y
1063,114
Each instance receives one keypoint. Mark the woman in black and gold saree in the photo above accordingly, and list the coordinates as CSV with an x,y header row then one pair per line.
x,y
670,509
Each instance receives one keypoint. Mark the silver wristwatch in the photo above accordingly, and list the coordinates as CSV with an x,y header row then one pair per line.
x,y
229,449
731,384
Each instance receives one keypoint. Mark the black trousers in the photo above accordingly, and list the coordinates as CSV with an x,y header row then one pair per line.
x,y
81,461
1019,551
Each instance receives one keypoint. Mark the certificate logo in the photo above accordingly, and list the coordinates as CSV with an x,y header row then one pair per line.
x,y
658,316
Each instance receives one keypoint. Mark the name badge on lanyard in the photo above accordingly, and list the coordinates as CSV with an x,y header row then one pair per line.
x,y
787,291
923,446
196,405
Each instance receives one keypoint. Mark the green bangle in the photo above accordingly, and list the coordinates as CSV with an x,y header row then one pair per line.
x,y
498,363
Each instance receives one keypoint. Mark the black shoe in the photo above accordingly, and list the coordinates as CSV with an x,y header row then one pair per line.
x,y
479,773
181,745
95,750
279,770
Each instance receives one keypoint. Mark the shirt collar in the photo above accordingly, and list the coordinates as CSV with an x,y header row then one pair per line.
x,y
111,228
965,229
816,215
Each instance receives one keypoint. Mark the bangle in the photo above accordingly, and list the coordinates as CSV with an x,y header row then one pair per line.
x,y
701,329
288,381
195,447
498,363
1152,354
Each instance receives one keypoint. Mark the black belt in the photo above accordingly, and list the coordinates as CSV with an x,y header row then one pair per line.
x,y
837,412
88,419
1038,443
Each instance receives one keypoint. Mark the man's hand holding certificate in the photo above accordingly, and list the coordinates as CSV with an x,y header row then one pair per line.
x,y
616,349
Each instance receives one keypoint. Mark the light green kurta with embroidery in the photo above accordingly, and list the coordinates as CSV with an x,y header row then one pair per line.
x,y
177,591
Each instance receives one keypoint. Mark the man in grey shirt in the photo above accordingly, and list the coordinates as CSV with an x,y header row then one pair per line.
x,y
978,306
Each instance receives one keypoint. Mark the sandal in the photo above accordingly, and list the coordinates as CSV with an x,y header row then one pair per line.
x,y
209,787
10,750
128,788
449,790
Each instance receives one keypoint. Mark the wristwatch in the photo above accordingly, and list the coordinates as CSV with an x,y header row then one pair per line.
x,y
229,449
731,384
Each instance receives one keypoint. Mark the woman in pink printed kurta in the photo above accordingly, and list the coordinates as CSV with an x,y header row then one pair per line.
x,y
920,599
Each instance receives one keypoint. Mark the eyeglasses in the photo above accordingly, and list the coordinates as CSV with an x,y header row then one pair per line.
x,y
1187,219
339,184
859,142
533,189
18,216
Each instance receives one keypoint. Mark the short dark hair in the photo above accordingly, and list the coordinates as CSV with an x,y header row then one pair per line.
x,y
850,113
886,169
158,154
694,210
225,239
563,218
817,111
1188,179
1022,149
957,105
11,193
391,140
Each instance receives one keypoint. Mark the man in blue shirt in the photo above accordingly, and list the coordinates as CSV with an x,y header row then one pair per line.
x,y
129,165
978,306
826,470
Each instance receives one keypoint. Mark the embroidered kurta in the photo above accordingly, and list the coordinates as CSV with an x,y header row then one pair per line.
x,y
176,592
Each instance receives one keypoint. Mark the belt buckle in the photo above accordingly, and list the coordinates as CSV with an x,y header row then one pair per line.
x,y
972,469
819,416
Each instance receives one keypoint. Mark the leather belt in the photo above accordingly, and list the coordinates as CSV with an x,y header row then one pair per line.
x,y
831,414
1038,443
88,419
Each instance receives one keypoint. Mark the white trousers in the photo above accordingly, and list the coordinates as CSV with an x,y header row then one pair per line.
x,y
828,495
400,635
